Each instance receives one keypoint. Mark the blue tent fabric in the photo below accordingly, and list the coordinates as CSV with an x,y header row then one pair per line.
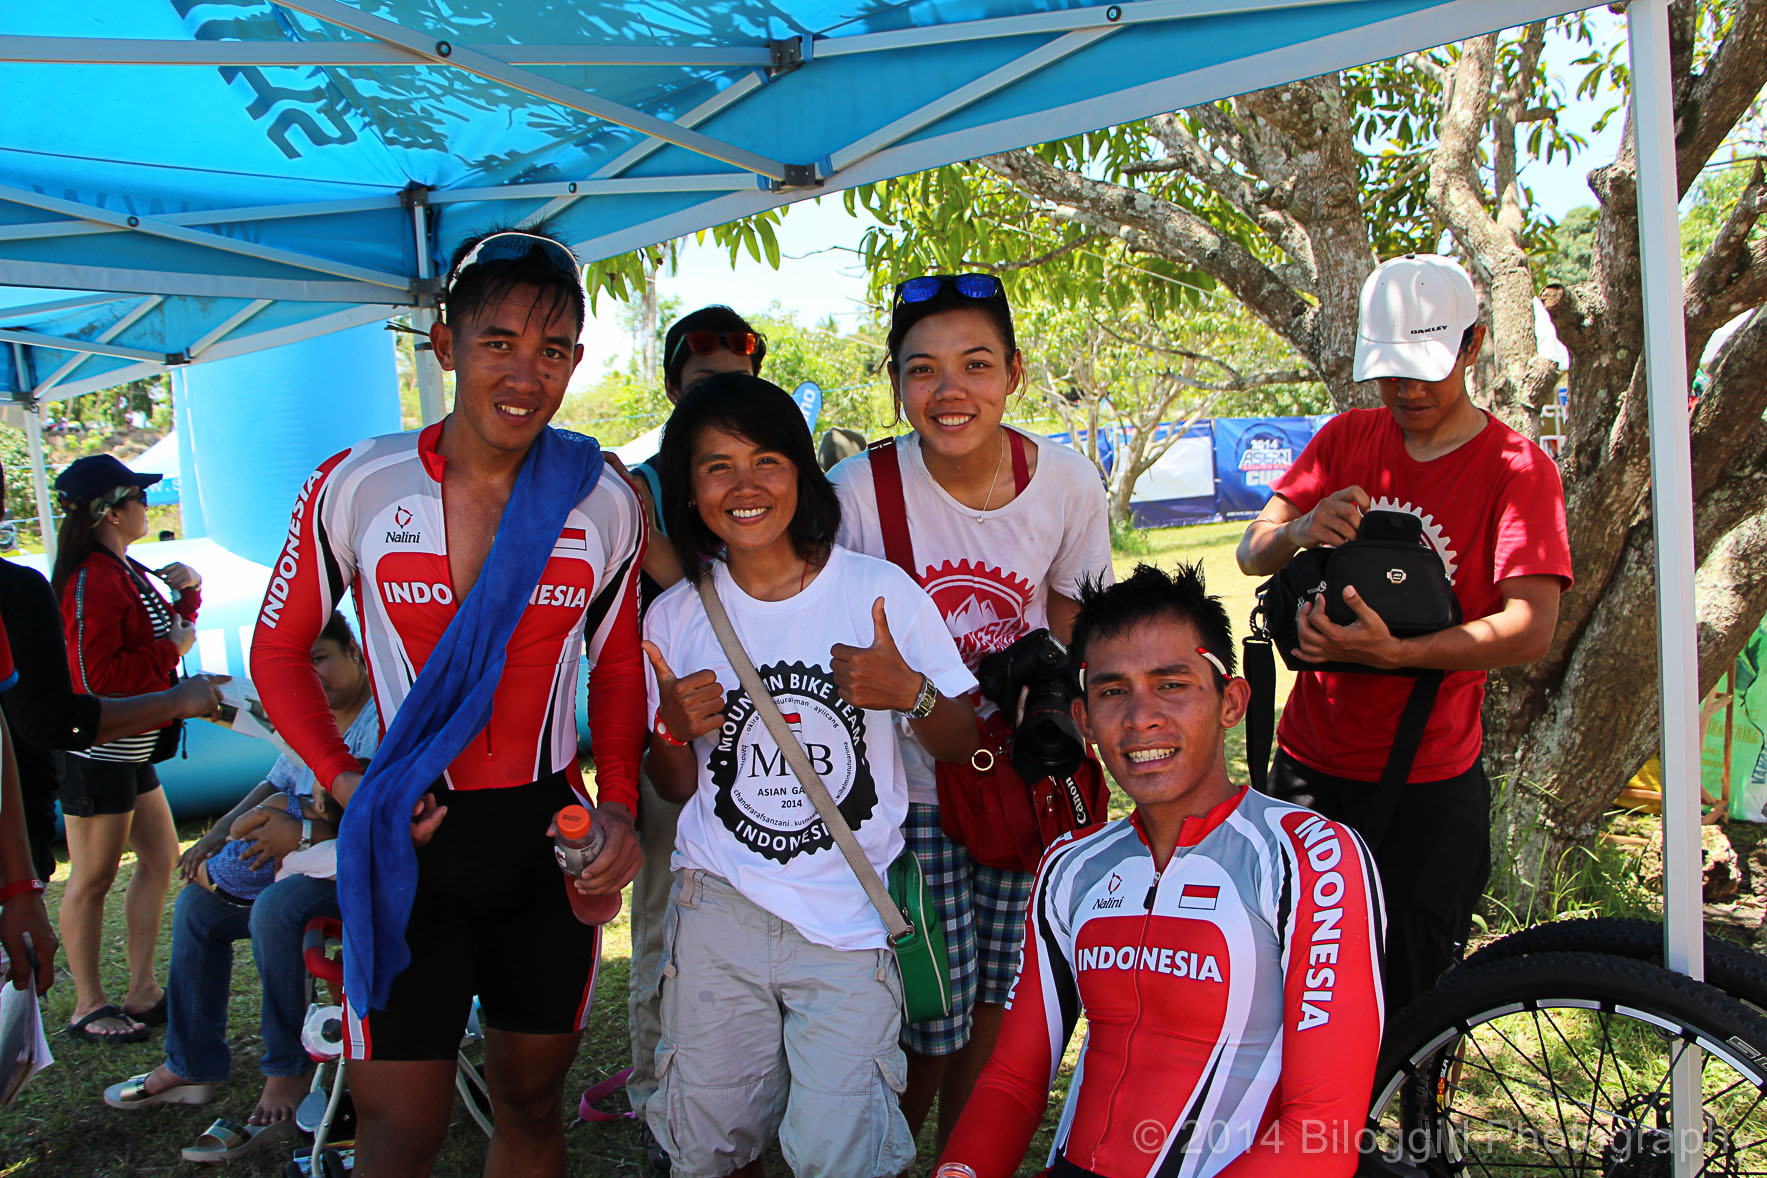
x,y
187,180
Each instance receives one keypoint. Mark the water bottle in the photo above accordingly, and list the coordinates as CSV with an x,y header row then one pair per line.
x,y
579,841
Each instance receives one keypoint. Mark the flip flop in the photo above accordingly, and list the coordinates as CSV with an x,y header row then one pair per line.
x,y
133,1093
225,1140
80,1029
153,1016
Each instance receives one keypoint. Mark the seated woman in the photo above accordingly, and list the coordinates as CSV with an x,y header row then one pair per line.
x,y
781,1001
237,893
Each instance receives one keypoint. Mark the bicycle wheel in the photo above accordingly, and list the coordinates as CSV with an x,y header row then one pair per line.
x,y
1558,1063
1737,971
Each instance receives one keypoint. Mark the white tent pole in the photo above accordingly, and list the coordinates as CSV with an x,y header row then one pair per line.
x,y
39,474
1665,356
429,373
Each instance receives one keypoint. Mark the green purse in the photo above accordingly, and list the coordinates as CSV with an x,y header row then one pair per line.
x,y
917,935
920,949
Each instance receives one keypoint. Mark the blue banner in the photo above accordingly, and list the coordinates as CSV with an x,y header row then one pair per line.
x,y
809,398
1251,453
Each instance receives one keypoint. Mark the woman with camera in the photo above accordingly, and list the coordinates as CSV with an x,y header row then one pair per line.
x,y
1003,527
781,998
123,638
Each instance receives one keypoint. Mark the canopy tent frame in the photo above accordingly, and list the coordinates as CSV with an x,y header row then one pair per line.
x,y
924,136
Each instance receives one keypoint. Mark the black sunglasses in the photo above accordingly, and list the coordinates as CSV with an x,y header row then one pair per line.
x,y
969,286
512,246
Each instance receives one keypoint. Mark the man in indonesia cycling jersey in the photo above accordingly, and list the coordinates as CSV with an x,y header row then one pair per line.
x,y
406,522
1223,946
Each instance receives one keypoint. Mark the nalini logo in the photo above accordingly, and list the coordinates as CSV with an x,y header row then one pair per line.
x,y
402,516
1396,576
1116,882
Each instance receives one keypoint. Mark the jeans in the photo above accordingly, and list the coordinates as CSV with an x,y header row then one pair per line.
x,y
204,928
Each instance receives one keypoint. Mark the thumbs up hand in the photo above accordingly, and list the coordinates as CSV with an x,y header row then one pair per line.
x,y
875,676
690,707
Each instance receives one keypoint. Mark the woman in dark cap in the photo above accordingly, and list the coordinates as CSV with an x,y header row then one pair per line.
x,y
123,638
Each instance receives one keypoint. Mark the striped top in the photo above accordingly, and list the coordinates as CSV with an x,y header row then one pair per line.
x,y
138,748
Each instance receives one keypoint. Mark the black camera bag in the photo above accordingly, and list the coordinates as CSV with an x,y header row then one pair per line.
x,y
1399,576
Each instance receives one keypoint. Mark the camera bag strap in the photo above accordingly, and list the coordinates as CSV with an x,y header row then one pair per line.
x,y
1260,672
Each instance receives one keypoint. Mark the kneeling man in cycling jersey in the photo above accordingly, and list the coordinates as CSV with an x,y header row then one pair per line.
x,y
1223,946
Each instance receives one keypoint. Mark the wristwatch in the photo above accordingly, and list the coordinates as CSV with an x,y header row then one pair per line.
x,y
925,702
306,835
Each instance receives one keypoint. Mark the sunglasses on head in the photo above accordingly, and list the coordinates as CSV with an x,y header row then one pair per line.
x,y
704,343
969,286
513,246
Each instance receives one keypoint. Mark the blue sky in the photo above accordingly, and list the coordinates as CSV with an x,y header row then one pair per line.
x,y
820,274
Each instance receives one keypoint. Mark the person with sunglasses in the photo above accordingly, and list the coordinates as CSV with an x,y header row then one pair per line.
x,y
699,345
447,880
123,638
1005,527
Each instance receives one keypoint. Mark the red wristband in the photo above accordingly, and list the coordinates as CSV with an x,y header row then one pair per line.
x,y
19,887
663,734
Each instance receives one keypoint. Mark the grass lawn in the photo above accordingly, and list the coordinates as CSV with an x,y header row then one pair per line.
x,y
60,1126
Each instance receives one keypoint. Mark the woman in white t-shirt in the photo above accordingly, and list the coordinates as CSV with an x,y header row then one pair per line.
x,y
1004,527
781,1004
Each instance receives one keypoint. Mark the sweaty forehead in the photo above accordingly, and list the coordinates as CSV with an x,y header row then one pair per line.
x,y
1163,641
519,309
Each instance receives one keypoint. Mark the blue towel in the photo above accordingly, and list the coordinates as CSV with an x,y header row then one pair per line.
x,y
447,706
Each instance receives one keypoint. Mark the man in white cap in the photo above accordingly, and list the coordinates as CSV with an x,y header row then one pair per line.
x,y
1492,506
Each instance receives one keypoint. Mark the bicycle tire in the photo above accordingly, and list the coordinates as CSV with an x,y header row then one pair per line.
x,y
1732,968
1461,1089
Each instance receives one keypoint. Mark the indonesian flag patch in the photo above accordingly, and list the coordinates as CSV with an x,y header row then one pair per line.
x,y
1199,896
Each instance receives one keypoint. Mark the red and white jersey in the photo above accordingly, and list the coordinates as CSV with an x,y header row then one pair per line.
x,y
1232,1002
370,519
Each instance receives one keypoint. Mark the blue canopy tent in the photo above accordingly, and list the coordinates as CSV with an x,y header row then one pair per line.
x,y
186,180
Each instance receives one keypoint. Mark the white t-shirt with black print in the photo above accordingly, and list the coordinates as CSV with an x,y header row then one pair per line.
x,y
990,578
748,820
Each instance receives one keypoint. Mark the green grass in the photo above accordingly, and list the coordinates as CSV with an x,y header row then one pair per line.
x,y
61,1128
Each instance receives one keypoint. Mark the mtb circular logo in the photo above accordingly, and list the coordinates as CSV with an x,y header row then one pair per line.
x,y
984,607
758,798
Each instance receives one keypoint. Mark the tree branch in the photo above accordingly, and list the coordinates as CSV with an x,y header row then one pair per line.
x,y
1730,278
1168,230
1196,160
1716,99
1528,377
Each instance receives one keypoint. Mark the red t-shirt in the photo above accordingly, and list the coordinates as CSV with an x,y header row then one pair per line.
x,y
8,676
1493,508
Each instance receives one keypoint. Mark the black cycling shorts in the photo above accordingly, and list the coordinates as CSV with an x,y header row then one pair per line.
x,y
490,918
90,787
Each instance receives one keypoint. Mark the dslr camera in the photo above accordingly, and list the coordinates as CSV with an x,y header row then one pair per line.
x,y
1045,742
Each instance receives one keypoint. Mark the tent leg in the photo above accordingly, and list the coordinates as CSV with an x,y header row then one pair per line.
x,y
1665,355
429,373
39,474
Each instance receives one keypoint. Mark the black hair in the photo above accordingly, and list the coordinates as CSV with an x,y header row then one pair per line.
x,y
73,541
762,412
1107,611
905,315
485,285
338,631
1466,338
716,317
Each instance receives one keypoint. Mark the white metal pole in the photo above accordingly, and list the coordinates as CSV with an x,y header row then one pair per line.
x,y
429,373
39,473
1665,357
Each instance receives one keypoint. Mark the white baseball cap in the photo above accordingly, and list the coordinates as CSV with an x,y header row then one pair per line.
x,y
1414,311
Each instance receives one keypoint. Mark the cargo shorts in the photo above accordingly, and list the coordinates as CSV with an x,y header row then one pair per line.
x,y
766,1032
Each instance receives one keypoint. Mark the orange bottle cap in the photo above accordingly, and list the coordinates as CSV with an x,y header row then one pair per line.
x,y
573,822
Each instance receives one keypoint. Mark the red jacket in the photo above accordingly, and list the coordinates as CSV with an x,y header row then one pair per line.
x,y
111,649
